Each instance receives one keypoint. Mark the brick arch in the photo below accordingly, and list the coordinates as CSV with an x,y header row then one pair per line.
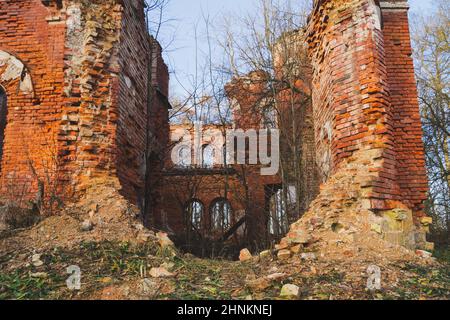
x,y
13,72
212,206
202,208
24,130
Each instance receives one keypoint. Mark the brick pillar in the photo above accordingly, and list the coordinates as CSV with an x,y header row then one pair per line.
x,y
366,110
408,146
350,93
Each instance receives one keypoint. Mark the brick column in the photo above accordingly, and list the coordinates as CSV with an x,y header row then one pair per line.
x,y
408,145
366,111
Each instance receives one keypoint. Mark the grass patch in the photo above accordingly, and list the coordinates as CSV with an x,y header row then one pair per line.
x,y
443,255
21,285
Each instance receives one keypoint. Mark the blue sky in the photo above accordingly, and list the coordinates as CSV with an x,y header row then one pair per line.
x,y
178,34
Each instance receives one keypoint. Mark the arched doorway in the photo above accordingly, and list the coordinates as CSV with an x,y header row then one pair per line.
x,y
3,114
208,156
194,211
278,214
221,214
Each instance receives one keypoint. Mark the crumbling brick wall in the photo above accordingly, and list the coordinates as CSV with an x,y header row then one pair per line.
x,y
86,83
135,59
365,98
87,103
158,138
407,129
92,69
31,72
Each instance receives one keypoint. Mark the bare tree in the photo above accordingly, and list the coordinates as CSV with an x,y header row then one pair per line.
x,y
432,55
268,42
271,41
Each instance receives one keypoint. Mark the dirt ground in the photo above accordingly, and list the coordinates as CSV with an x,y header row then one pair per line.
x,y
117,258
124,261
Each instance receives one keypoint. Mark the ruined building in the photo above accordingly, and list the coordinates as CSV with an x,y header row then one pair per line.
x,y
215,200
83,85
83,100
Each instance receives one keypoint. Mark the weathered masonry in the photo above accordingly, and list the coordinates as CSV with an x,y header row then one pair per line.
x,y
366,115
83,101
365,93
82,83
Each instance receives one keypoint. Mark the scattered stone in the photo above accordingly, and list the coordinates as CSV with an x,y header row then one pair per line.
x,y
273,269
87,226
376,227
299,237
36,260
168,265
40,275
164,240
284,255
297,249
160,273
424,254
138,226
276,276
245,255
290,291
308,256
258,285
106,280
265,254
282,246
148,287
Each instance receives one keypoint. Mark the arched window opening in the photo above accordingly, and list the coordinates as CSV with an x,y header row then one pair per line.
x,y
3,115
221,212
194,212
278,217
208,156
184,157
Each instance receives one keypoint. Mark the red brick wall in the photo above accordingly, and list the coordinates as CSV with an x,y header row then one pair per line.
x,y
89,117
243,186
181,188
133,114
158,140
409,151
28,34
363,84
349,82
90,113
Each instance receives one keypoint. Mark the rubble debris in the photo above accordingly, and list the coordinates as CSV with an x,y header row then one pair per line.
x,y
290,291
245,255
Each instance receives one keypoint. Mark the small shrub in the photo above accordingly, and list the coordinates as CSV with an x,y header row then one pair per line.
x,y
14,217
